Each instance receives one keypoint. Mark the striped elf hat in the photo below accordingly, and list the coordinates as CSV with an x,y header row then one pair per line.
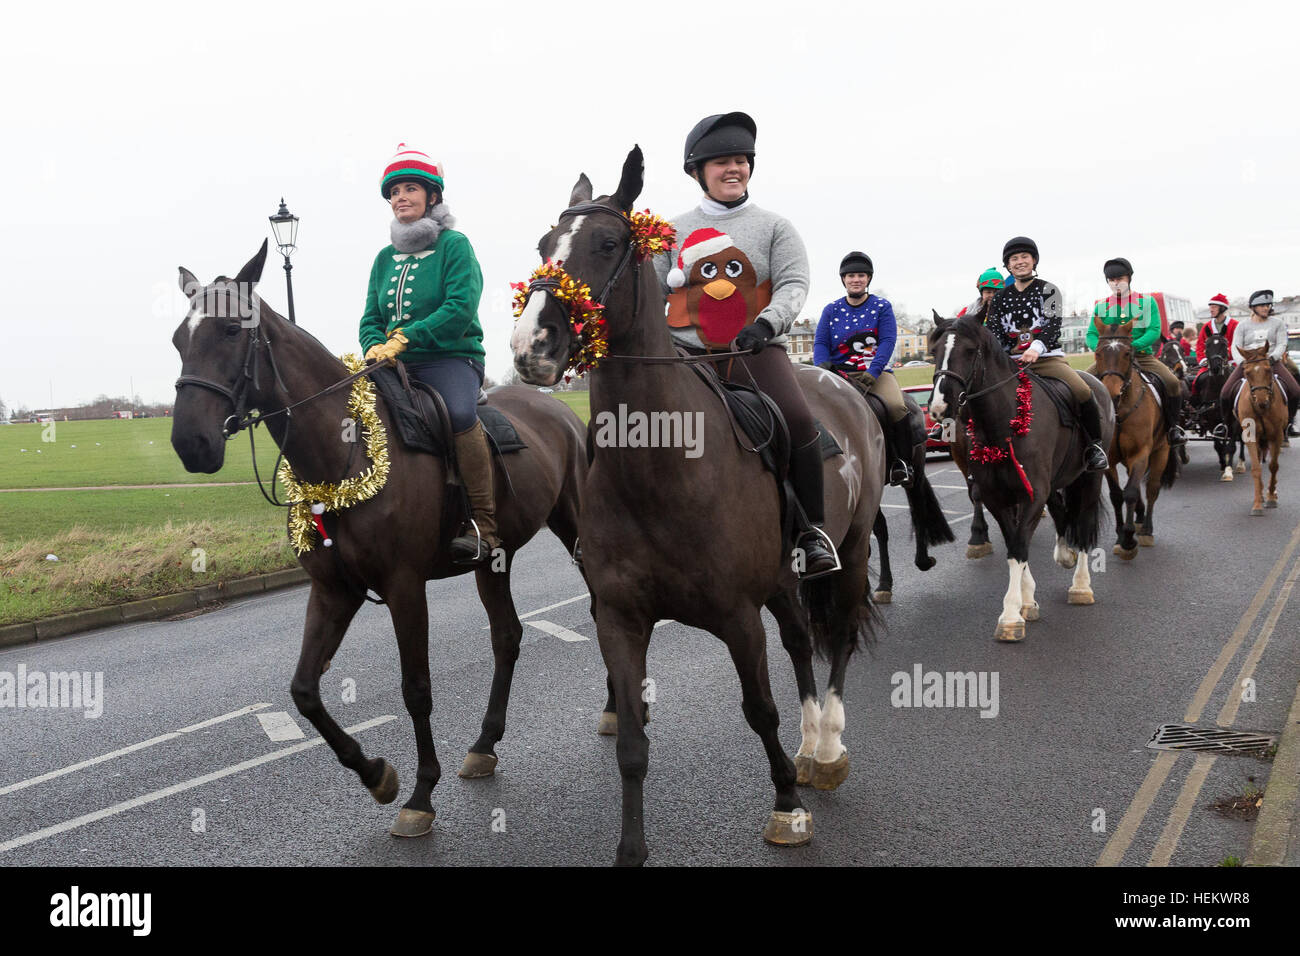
x,y
411,165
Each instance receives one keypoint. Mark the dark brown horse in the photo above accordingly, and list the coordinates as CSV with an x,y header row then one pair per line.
x,y
668,536
1205,411
237,354
1262,413
975,383
1140,443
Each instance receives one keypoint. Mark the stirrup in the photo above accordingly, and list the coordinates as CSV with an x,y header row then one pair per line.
x,y
481,552
1105,459
1176,435
1219,431
830,546
901,473
575,556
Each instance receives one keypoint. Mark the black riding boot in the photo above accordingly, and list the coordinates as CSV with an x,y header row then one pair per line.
x,y
1291,406
806,477
900,440
1173,409
1090,418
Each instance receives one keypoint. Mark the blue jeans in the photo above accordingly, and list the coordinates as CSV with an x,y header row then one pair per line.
x,y
457,380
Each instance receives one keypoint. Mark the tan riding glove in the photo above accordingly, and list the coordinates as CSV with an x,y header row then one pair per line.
x,y
865,379
394,347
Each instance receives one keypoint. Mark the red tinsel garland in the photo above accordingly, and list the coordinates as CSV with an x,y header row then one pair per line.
x,y
1020,422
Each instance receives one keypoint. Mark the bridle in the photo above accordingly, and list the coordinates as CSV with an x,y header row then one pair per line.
x,y
237,394
978,368
1260,388
1126,376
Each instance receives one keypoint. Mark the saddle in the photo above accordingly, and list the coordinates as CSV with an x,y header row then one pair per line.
x,y
1157,387
421,419
1060,395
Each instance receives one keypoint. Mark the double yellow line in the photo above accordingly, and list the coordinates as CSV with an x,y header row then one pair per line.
x,y
1122,839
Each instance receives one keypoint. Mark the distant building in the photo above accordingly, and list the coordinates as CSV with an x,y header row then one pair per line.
x,y
800,348
1074,331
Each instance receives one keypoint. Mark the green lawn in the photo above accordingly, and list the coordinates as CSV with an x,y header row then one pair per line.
x,y
924,376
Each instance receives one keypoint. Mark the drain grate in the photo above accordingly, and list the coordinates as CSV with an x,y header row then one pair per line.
x,y
1215,740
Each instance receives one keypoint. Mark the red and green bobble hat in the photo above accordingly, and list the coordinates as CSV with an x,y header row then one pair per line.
x,y
411,165
989,279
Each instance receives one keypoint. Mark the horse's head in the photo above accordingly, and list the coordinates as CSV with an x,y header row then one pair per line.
x,y
216,340
1257,370
592,244
1114,355
1216,351
961,350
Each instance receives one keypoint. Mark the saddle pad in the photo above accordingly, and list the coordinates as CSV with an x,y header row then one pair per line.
x,y
415,435
1157,389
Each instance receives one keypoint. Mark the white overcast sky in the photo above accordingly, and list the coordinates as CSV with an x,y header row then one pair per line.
x,y
139,138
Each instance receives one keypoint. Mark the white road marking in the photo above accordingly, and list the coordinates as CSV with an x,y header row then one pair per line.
x,y
24,784
81,821
949,487
524,617
563,633
279,726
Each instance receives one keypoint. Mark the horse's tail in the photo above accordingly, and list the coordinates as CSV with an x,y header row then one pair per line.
x,y
1171,469
836,619
1084,516
928,521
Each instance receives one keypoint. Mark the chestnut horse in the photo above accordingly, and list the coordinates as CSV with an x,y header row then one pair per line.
x,y
1140,442
238,354
1261,410
698,538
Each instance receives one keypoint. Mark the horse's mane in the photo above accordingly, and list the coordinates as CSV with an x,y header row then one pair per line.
x,y
980,334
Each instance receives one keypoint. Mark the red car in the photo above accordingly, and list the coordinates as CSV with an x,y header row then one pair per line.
x,y
921,394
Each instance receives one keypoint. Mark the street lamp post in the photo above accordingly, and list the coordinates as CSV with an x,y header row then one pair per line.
x,y
285,227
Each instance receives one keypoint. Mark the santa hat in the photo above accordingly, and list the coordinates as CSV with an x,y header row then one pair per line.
x,y
700,243
1219,299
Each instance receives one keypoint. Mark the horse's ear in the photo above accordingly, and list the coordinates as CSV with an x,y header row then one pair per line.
x,y
1125,328
189,283
630,183
251,274
581,190
939,321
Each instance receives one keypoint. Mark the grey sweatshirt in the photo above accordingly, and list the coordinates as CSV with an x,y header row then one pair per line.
x,y
770,277
1251,334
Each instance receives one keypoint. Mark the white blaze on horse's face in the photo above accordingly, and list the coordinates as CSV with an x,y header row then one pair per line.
x,y
565,245
196,316
937,405
529,338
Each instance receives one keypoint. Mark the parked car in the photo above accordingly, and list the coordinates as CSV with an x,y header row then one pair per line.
x,y
921,394
916,364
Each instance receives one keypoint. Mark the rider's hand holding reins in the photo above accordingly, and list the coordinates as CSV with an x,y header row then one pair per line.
x,y
863,378
394,347
1027,357
754,336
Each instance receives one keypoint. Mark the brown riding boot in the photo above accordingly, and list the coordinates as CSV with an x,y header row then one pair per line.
x,y
475,461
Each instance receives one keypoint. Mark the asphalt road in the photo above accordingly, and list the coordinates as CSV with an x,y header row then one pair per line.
x,y
1077,701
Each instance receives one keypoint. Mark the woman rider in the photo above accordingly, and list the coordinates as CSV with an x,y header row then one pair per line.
x,y
740,281
422,309
1026,318
1262,328
855,336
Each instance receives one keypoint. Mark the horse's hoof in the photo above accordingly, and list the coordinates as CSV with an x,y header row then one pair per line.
x,y
608,726
1241,467
1147,540
1271,503
1069,561
412,823
828,776
1256,512
477,765
1117,550
1081,596
1227,474
788,829
979,550
1010,633
386,790
803,769
1127,554
925,564
882,597
1029,611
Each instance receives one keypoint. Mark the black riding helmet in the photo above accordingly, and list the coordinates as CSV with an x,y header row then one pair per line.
x,y
1262,297
722,134
1019,244
856,262
1114,268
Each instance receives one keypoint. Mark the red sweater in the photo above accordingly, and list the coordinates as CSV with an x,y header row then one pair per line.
x,y
1229,328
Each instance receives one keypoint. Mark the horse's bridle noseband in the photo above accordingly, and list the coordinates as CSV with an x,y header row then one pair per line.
x,y
1260,388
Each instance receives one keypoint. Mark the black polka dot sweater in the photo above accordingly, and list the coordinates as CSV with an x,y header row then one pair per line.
x,y
1028,319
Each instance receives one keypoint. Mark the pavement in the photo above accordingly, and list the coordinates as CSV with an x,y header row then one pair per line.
x,y
199,755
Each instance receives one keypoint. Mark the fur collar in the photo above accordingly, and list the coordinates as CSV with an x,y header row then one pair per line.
x,y
421,234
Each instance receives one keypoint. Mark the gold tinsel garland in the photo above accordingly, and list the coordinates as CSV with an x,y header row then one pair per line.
x,y
336,496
